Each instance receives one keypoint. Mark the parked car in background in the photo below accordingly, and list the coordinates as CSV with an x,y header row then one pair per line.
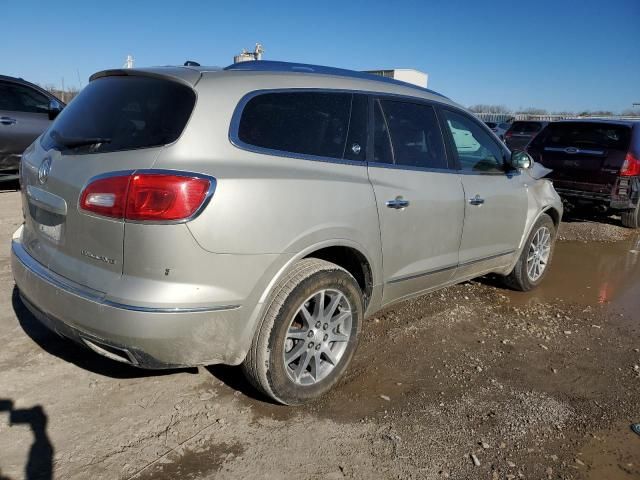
x,y
499,128
26,111
250,227
595,163
521,132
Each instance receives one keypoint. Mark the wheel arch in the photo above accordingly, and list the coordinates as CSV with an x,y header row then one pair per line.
x,y
347,254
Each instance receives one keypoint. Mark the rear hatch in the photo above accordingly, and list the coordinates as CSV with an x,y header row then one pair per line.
x,y
521,133
117,123
584,156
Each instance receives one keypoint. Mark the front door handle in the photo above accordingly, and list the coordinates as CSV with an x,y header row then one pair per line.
x,y
7,121
398,203
477,200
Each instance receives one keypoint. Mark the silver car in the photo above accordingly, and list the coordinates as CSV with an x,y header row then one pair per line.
x,y
258,214
26,111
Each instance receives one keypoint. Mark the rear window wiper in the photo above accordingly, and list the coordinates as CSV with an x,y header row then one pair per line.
x,y
72,142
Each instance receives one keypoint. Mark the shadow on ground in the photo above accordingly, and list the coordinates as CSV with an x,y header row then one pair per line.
x,y
235,379
581,215
40,462
72,352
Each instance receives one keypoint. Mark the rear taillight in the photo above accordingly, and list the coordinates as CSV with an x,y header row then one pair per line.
x,y
146,196
508,134
631,166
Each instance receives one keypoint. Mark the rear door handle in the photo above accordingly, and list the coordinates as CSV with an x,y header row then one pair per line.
x,y
398,203
477,200
7,121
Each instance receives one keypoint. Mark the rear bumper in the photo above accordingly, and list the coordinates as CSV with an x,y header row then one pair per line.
x,y
144,337
610,200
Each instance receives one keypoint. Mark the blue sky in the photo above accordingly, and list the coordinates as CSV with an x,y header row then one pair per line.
x,y
554,54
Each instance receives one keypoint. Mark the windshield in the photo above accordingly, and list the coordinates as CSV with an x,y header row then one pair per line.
x,y
525,127
585,135
122,113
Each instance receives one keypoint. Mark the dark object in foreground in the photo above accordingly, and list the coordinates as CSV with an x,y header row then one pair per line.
x,y
26,111
635,428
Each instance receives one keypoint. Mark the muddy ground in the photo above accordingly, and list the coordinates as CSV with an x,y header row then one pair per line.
x,y
537,385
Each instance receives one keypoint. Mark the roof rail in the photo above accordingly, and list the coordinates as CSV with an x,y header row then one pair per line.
x,y
276,66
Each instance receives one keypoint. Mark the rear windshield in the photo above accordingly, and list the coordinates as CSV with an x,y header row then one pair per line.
x,y
585,135
526,127
122,113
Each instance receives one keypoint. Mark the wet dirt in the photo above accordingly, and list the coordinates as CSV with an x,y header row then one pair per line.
x,y
591,274
534,385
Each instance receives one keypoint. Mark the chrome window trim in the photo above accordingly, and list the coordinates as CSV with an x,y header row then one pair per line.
x,y
96,296
213,182
237,114
234,127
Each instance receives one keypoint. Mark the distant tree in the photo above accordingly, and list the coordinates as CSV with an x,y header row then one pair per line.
x,y
65,95
484,108
631,112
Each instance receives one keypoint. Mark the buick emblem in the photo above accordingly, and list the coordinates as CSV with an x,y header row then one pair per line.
x,y
43,171
571,150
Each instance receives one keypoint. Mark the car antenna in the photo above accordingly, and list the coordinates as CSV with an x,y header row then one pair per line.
x,y
191,63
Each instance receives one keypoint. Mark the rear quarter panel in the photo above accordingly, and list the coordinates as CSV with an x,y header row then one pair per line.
x,y
267,204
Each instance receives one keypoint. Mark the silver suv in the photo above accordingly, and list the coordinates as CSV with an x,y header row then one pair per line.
x,y
256,215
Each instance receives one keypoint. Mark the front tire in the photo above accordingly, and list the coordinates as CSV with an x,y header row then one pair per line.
x,y
631,218
308,334
536,255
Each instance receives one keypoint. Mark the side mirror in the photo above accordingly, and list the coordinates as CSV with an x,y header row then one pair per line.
x,y
521,160
54,109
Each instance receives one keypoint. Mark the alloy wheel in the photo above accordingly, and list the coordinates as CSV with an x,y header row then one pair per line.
x,y
317,336
539,253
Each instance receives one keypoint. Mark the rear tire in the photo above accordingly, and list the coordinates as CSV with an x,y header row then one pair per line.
x,y
631,218
536,255
308,334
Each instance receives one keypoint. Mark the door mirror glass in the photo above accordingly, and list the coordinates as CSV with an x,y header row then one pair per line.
x,y
54,109
521,160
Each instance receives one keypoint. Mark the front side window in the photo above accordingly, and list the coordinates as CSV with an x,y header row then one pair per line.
x,y
309,123
19,98
477,151
415,134
122,113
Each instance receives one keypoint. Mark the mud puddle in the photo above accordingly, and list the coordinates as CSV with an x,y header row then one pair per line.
x,y
591,274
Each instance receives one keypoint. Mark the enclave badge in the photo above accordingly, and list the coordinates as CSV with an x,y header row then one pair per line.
x,y
102,258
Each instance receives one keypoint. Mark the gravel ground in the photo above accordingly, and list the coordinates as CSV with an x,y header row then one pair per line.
x,y
473,381
593,231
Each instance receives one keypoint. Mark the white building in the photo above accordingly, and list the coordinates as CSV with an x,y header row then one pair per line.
x,y
409,75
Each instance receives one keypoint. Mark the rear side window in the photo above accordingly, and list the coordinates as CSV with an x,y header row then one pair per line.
x,y
585,136
525,127
122,113
309,123
415,134
19,98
